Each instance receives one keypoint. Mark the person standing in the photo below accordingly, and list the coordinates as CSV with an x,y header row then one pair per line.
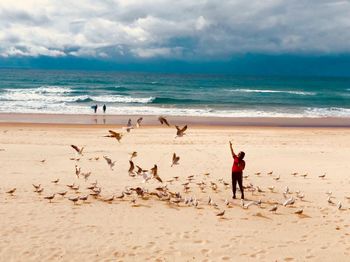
x,y
237,171
104,108
95,108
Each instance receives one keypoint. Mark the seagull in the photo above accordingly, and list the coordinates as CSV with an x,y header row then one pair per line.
x,y
70,185
322,176
140,170
257,173
115,135
270,173
329,200
11,191
289,201
221,213
43,160
74,199
36,186
245,176
175,160
62,193
84,198
294,174
75,188
121,196
299,211
286,191
180,131
163,120
277,178
77,171
304,175
146,176
109,199
300,196
77,149
131,168
50,197
109,162
246,206
39,190
339,205
86,175
273,209
133,154
154,172
138,122
129,126
55,181
271,188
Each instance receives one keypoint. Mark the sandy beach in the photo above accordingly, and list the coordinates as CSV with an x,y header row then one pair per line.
x,y
157,228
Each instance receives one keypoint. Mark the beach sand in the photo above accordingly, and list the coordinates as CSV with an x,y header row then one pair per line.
x,y
32,229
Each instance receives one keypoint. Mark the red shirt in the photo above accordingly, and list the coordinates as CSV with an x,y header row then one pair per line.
x,y
238,165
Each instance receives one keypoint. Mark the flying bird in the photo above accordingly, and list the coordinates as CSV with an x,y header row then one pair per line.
x,y
154,172
163,120
175,160
131,168
77,149
129,126
180,131
115,135
133,154
11,191
109,162
138,122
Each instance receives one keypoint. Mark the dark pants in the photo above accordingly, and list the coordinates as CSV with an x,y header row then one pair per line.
x,y
237,177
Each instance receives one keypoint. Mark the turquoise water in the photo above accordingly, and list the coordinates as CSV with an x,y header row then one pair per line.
x,y
73,92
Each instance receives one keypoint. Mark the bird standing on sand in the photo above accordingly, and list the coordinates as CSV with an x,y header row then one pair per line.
x,y
175,160
299,211
115,135
129,126
273,209
77,149
77,171
180,132
62,193
109,162
322,176
55,181
50,197
163,120
221,214
74,199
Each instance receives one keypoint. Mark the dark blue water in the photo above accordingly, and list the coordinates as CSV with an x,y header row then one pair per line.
x,y
75,92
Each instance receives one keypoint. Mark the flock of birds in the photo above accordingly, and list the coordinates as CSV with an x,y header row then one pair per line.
x,y
162,192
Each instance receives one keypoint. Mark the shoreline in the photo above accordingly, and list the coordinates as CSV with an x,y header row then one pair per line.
x,y
151,120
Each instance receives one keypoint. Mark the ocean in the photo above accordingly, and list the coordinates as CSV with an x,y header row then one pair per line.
x,y
75,92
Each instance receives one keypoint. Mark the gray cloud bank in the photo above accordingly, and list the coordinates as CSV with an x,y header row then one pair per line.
x,y
183,29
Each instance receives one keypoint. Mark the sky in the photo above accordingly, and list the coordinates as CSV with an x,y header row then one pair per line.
x,y
185,31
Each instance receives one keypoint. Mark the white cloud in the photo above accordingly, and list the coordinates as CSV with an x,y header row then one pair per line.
x,y
185,29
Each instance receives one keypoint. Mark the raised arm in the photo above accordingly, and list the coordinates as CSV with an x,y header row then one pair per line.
x,y
233,153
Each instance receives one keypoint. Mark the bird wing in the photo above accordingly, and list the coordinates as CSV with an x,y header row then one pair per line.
x,y
158,178
115,134
132,166
75,148
109,161
174,157
183,129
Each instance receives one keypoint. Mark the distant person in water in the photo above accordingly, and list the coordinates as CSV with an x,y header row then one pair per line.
x,y
95,108
237,171
104,108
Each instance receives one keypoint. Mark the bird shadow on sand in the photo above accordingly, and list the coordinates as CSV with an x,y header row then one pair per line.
x,y
304,216
141,205
262,216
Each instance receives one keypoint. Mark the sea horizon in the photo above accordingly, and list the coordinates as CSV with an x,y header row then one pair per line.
x,y
143,93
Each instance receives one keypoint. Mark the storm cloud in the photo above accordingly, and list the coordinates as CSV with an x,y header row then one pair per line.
x,y
187,30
